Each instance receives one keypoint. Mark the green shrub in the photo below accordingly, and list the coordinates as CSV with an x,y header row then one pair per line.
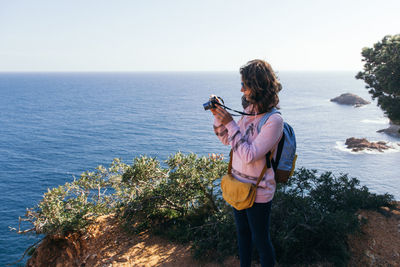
x,y
184,195
73,206
313,215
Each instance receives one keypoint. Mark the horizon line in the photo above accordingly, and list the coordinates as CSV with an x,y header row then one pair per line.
x,y
147,71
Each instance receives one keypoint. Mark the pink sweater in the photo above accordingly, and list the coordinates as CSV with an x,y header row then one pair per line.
x,y
249,150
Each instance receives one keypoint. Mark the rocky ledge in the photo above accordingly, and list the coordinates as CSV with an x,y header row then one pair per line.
x,y
106,243
360,144
350,99
393,130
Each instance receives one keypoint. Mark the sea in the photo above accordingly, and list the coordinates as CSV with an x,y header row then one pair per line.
x,y
54,126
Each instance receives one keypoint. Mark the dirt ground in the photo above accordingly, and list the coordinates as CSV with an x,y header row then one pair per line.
x,y
111,246
106,244
379,241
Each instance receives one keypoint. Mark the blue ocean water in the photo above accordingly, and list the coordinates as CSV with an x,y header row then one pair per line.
x,y
54,126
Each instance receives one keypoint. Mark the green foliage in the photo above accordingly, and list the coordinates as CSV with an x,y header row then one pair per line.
x,y
180,199
311,216
71,207
215,238
382,74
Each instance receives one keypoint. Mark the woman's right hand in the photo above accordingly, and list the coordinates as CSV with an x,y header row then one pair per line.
x,y
222,115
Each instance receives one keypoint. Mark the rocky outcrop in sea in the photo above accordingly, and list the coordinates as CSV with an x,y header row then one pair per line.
x,y
350,99
360,144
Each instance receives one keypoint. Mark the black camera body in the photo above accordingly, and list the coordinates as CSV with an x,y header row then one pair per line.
x,y
214,100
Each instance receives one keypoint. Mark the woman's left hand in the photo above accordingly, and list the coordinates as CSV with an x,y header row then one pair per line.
x,y
221,114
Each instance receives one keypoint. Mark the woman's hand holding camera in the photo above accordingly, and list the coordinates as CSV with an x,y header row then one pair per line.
x,y
221,114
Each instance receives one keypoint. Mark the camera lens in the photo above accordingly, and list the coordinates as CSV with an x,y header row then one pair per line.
x,y
208,105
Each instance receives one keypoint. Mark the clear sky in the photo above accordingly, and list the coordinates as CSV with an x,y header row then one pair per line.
x,y
205,35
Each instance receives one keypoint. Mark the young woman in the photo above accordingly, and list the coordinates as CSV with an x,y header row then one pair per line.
x,y
260,88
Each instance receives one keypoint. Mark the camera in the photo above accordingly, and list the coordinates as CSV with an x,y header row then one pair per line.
x,y
213,101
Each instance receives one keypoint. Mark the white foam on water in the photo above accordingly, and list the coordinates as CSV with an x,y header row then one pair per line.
x,y
340,145
376,121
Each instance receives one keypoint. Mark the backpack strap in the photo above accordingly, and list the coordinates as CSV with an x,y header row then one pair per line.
x,y
278,152
265,118
269,159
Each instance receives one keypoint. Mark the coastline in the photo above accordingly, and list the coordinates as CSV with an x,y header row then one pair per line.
x,y
393,130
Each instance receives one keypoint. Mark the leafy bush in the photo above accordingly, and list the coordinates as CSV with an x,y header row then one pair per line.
x,y
72,207
311,216
183,195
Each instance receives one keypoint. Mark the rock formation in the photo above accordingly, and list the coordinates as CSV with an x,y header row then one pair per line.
x,y
393,130
350,99
359,144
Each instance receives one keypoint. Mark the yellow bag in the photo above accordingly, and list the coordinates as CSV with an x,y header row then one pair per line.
x,y
238,194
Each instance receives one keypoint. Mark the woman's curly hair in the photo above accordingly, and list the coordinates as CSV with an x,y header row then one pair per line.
x,y
260,79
